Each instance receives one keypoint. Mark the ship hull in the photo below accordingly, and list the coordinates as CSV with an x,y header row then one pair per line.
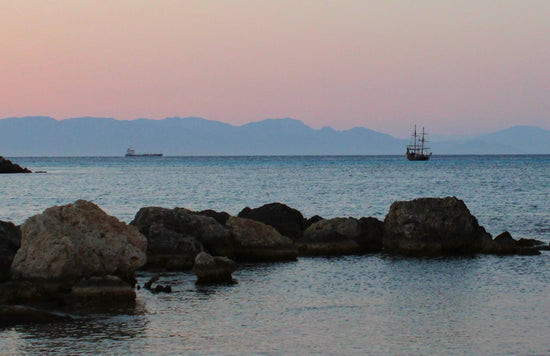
x,y
418,157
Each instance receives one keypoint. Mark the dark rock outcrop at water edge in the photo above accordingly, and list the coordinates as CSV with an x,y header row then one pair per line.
x,y
288,221
432,226
6,166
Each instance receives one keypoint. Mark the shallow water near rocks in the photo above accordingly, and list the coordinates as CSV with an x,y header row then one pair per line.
x,y
372,304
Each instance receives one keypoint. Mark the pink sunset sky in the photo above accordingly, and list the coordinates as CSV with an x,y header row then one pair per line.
x,y
456,67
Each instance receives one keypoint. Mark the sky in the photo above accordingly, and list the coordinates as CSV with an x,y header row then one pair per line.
x,y
455,67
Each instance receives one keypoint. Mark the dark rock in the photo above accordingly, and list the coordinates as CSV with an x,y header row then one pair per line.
x,y
6,166
530,243
21,314
342,236
256,241
432,226
287,221
10,241
110,288
152,280
220,217
176,236
372,234
312,220
330,237
95,290
505,244
209,269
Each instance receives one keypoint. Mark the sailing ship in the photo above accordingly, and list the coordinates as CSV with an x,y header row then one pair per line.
x,y
130,152
417,150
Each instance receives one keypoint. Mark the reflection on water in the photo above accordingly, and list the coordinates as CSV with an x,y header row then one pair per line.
x,y
354,305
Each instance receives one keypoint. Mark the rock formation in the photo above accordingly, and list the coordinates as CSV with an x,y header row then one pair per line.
x,y
256,241
81,248
10,240
432,226
505,244
342,236
288,221
176,236
219,216
331,237
6,166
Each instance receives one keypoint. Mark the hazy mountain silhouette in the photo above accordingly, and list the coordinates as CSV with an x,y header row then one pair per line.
x,y
89,136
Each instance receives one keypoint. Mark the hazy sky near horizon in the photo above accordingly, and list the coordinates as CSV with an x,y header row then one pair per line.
x,y
456,67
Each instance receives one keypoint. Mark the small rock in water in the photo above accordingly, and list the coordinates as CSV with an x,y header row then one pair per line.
x,y
209,269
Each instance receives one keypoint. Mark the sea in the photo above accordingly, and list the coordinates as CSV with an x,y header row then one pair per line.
x,y
374,304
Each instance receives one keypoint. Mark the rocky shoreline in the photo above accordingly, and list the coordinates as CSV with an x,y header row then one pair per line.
x,y
76,252
7,166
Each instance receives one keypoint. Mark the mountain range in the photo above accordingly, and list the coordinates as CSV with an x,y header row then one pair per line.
x,y
91,136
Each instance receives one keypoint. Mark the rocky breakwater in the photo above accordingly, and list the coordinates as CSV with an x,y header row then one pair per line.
x,y
75,252
176,236
441,226
7,166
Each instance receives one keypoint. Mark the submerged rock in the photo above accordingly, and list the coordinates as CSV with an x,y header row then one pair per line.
x,y
287,221
22,314
6,166
432,226
10,240
176,236
256,241
210,269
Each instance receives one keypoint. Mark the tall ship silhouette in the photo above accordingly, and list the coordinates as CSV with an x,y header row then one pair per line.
x,y
418,149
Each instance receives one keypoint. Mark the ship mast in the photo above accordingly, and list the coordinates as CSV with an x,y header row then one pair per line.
x,y
422,140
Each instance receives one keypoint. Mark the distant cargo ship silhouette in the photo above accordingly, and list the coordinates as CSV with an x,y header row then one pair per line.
x,y
130,152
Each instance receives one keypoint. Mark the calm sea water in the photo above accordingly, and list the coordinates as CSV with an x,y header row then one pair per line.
x,y
374,304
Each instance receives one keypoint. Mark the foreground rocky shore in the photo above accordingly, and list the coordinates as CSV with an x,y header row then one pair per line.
x,y
77,253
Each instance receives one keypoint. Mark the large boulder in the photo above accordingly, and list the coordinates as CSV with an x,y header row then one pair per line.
x,y
77,241
342,236
176,236
10,240
256,241
432,226
6,166
213,269
288,221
